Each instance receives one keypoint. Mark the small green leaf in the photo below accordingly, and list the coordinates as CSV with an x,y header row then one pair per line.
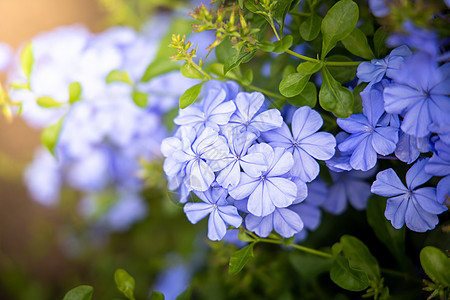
x,y
393,239
307,97
342,74
234,61
281,9
310,27
157,296
82,292
283,44
359,257
125,283
48,102
248,77
309,67
309,266
266,46
346,277
190,95
334,97
240,258
293,84
190,72
379,42
244,237
118,76
74,92
225,50
159,67
50,135
338,24
140,98
27,59
356,43
436,264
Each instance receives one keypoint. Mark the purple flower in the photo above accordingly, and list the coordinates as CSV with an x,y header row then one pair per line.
x,y
268,189
409,147
283,220
439,165
420,94
220,212
417,207
368,136
305,143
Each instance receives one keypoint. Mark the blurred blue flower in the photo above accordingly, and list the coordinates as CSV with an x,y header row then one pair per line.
x,y
417,207
420,92
267,189
367,135
379,8
220,212
305,143
174,280
6,55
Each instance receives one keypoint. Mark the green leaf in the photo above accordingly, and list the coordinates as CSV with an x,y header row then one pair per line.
x,y
140,98
281,9
241,4
283,44
338,24
186,295
310,27
27,59
342,74
379,42
357,103
334,97
118,76
359,257
234,61
190,72
309,67
159,67
248,77
293,84
244,237
125,283
436,264
356,43
309,266
50,135
393,239
266,46
240,258
346,277
48,102
82,292
225,50
157,296
74,92
190,95
256,8
307,97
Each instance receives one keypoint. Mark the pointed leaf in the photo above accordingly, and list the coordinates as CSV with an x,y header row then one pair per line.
x,y
281,9
356,42
48,102
240,258
125,283
293,84
118,76
27,59
140,98
334,97
234,61
307,97
283,44
50,135
190,72
346,277
82,292
310,27
359,257
74,92
190,95
159,67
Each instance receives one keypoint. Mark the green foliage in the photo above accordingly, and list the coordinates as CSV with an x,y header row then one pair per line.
x,y
379,42
186,295
190,95
190,72
125,283
293,84
309,266
50,135
310,27
346,277
119,76
82,292
436,264
27,59
159,67
74,92
239,58
334,97
338,24
283,44
240,258
356,42
341,74
48,102
307,97
280,12
140,98
157,296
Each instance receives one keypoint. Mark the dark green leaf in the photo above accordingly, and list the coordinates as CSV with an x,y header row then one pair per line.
x,y
293,84
283,44
82,292
266,46
159,67
157,296
186,295
256,8
338,24
225,50
49,136
379,42
309,67
27,59
359,257
307,97
241,4
74,92
310,28
342,74
281,9
190,72
334,97
346,277
357,103
48,102
436,264
125,283
240,258
393,239
234,61
140,98
309,266
356,43
118,76
190,95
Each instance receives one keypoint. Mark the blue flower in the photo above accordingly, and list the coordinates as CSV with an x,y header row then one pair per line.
x,y
220,212
283,220
379,8
305,143
246,117
341,160
409,147
420,94
439,165
417,207
368,136
375,71
266,189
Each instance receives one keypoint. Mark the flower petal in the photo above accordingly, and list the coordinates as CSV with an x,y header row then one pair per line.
x,y
286,222
320,145
230,215
364,157
282,191
416,175
260,201
262,226
426,197
305,167
384,140
388,184
195,211
216,227
305,122
245,187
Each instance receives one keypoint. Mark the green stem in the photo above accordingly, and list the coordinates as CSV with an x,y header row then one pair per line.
x,y
298,247
342,63
302,56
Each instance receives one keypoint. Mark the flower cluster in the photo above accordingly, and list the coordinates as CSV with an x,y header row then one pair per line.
x,y
243,162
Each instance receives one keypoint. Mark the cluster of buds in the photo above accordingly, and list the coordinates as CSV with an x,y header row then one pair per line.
x,y
183,52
